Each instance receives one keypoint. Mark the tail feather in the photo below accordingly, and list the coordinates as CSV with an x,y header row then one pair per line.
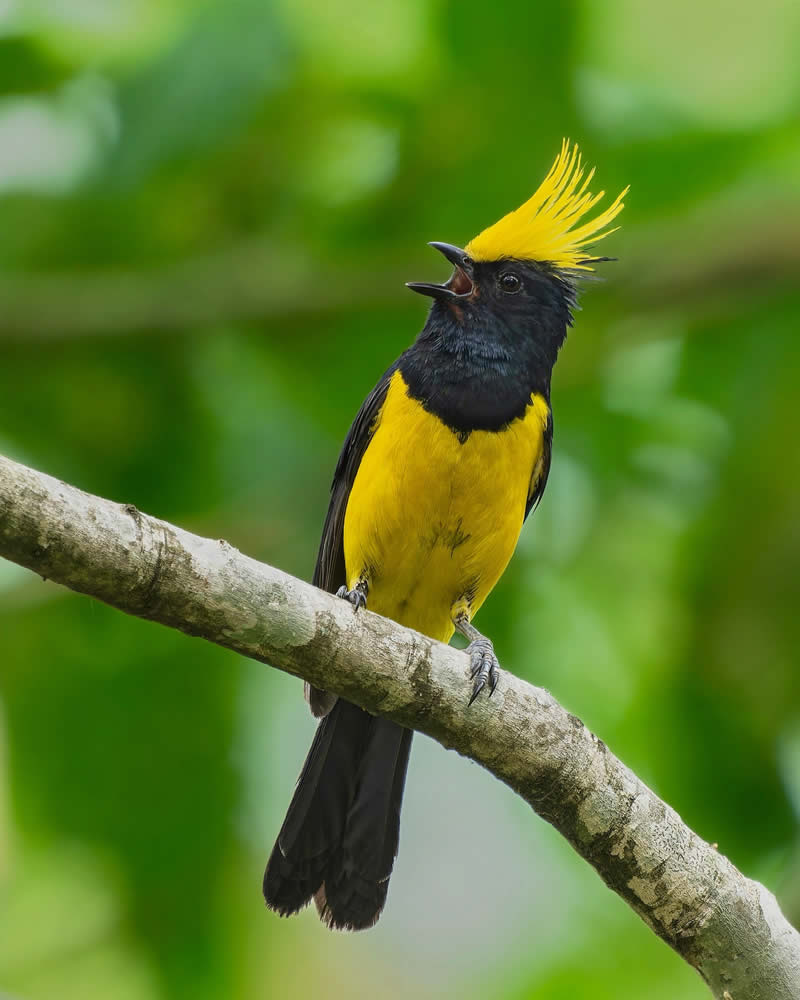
x,y
340,836
357,882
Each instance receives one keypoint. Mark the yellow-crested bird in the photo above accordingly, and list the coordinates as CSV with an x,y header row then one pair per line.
x,y
446,458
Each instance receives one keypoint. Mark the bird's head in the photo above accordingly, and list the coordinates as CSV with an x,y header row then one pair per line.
x,y
518,277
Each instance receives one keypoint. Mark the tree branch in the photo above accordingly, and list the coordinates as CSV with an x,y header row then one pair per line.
x,y
200,291
229,285
725,925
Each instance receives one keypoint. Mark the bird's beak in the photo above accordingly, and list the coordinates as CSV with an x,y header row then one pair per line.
x,y
460,284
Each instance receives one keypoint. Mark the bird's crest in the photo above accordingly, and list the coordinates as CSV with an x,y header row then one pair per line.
x,y
543,228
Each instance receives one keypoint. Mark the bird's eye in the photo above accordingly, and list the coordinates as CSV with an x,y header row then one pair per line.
x,y
510,282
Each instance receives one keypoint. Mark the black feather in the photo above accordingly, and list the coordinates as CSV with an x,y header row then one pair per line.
x,y
340,836
357,879
329,572
539,485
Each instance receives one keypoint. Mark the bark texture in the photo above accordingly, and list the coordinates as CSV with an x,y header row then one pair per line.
x,y
728,927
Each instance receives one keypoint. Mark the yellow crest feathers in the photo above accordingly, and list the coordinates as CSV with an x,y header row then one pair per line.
x,y
543,227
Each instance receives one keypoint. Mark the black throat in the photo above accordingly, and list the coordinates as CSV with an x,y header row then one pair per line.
x,y
476,371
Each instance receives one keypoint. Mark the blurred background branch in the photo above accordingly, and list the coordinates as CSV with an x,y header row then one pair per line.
x,y
249,282
259,282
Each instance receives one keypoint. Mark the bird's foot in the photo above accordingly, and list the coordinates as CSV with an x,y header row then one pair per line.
x,y
484,666
356,596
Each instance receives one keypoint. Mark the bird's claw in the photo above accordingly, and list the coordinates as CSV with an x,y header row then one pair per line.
x,y
484,667
355,596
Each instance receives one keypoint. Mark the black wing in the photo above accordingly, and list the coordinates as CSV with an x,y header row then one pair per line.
x,y
542,468
329,573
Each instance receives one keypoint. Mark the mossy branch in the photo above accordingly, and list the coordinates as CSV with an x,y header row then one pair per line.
x,y
726,926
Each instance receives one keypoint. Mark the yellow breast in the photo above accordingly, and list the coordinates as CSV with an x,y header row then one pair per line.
x,y
432,519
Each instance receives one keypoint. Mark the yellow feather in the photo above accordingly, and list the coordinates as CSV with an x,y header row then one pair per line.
x,y
432,521
542,228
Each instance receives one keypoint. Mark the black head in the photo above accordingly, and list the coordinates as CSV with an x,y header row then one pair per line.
x,y
519,306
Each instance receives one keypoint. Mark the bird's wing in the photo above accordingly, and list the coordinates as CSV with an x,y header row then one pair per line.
x,y
542,468
330,572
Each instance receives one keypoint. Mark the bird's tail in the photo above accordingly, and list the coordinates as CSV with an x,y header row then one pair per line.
x,y
339,839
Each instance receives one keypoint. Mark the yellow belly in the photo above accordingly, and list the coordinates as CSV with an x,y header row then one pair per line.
x,y
432,522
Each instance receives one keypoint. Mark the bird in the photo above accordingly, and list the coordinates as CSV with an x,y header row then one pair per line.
x,y
445,460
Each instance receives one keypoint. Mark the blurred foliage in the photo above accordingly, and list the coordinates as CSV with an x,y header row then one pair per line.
x,y
207,215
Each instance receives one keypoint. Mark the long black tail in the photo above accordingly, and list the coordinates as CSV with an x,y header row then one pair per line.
x,y
339,839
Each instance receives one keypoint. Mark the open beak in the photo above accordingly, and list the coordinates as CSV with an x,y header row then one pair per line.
x,y
460,284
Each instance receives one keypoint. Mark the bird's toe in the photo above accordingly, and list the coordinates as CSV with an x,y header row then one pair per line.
x,y
356,597
484,667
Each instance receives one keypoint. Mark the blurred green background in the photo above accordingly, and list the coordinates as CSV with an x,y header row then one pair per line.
x,y
207,213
